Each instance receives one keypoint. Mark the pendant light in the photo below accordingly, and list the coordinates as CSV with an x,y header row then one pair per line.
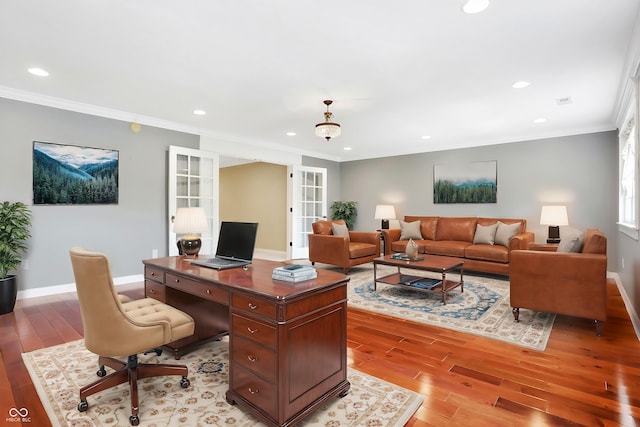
x,y
328,129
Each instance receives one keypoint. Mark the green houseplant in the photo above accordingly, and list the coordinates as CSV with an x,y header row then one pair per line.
x,y
347,211
15,222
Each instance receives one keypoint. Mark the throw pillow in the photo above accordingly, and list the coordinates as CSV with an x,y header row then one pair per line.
x,y
572,241
340,230
505,232
485,234
410,230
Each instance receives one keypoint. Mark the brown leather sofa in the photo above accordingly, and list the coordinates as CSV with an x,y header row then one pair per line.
x,y
454,236
358,247
573,284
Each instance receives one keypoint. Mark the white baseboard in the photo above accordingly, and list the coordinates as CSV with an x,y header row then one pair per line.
x,y
270,255
71,287
635,320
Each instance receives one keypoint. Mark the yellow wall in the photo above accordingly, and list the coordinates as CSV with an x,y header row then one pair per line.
x,y
257,192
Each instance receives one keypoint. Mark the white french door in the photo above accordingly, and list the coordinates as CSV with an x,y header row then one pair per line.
x,y
307,194
193,182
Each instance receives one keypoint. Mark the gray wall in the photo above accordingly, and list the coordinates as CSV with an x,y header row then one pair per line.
x,y
579,171
128,231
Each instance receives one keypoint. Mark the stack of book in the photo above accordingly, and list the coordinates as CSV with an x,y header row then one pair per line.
x,y
294,273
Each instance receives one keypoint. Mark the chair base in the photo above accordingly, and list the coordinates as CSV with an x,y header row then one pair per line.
x,y
130,372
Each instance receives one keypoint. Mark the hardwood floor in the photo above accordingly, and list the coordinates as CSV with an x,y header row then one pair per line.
x,y
580,379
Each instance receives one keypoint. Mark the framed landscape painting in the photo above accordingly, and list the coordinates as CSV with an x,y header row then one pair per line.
x,y
73,175
474,182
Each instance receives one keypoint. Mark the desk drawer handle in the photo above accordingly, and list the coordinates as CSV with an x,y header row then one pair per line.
x,y
209,291
251,331
151,291
177,280
252,306
153,273
252,358
252,391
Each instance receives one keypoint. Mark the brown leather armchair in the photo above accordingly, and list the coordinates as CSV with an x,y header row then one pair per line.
x,y
358,247
115,327
573,284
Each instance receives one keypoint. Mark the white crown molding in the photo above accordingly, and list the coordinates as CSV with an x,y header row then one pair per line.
x,y
79,107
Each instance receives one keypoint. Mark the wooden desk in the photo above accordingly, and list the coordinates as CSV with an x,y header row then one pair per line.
x,y
287,342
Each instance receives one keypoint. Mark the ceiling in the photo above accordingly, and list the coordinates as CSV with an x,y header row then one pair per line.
x,y
396,71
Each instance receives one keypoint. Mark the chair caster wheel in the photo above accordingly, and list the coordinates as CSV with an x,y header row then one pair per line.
x,y
157,351
83,405
184,382
134,420
101,372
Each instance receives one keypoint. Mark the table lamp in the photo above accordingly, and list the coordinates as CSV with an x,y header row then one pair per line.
x,y
554,217
190,221
385,213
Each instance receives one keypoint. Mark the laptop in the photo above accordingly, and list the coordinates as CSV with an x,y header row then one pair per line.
x,y
236,243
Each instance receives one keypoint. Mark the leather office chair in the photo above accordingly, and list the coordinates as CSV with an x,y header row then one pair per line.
x,y
116,329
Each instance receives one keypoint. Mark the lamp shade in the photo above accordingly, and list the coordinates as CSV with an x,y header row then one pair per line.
x,y
554,215
385,212
190,221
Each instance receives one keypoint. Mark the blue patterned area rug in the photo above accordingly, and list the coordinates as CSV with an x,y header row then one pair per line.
x,y
482,309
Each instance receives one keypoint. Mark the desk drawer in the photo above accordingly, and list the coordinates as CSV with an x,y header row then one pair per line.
x,y
253,330
255,357
154,274
155,290
256,390
203,290
254,305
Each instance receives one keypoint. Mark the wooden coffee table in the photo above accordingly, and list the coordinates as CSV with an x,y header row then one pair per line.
x,y
434,263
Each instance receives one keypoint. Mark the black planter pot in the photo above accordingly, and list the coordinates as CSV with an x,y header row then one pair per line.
x,y
8,293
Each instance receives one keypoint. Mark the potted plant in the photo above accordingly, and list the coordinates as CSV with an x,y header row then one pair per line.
x,y
346,211
15,221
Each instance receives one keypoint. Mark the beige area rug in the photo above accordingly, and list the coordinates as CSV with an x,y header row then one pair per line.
x,y
482,309
59,372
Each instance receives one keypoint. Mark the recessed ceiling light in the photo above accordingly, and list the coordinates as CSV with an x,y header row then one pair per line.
x,y
475,6
520,85
347,148
38,72
540,120
291,134
199,112
426,136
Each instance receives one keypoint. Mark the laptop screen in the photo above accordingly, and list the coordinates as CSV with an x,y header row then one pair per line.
x,y
237,240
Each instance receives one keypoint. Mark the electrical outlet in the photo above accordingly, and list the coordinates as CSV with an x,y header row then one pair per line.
x,y
154,253
622,262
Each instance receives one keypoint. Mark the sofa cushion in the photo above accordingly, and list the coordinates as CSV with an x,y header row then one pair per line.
x,y
595,242
428,225
410,230
445,247
359,250
456,229
572,241
485,234
505,232
325,227
401,246
340,230
496,253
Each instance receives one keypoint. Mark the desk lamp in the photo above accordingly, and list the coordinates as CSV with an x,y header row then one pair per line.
x,y
554,217
385,213
190,221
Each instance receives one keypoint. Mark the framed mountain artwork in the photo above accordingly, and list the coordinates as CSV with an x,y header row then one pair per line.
x,y
74,175
473,182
